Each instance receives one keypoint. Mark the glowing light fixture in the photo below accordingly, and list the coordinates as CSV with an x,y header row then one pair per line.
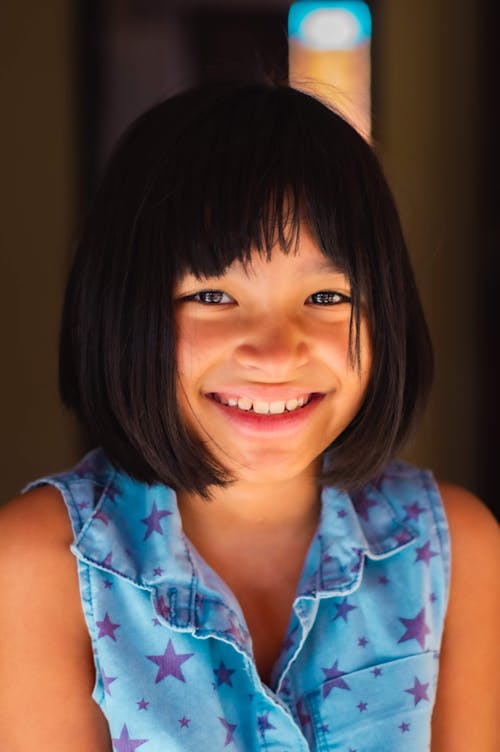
x,y
330,26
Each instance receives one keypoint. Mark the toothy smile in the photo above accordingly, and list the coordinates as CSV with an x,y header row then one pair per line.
x,y
262,407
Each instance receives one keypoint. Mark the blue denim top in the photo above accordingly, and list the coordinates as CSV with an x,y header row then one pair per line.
x,y
174,666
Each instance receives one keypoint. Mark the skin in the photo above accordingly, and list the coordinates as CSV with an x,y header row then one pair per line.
x,y
271,334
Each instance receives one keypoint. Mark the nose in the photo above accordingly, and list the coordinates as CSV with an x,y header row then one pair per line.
x,y
274,346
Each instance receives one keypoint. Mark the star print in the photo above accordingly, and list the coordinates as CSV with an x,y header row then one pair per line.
x,y
153,521
425,554
106,681
413,511
341,513
112,491
108,584
383,580
142,704
125,743
163,607
107,628
158,571
432,597
169,664
156,622
333,679
404,727
362,642
324,727
263,723
362,706
352,750
416,629
100,515
184,721
403,537
342,610
230,729
223,674
363,504
376,671
83,505
106,562
419,691
236,632
303,716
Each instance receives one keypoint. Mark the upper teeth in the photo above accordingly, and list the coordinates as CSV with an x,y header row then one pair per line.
x,y
265,408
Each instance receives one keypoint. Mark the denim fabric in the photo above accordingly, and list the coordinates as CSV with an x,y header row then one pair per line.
x,y
358,669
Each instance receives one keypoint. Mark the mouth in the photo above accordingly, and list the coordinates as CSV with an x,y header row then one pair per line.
x,y
263,408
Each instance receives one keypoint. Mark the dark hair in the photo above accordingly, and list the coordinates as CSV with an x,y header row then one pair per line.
x,y
196,182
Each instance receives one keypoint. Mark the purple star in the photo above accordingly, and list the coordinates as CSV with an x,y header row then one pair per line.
x,y
362,706
419,691
106,681
263,723
156,622
106,562
416,629
125,743
432,597
425,554
383,580
403,537
303,716
324,727
223,674
169,664
341,513
83,505
404,727
142,704
343,609
333,679
107,628
100,515
376,671
230,729
108,584
153,521
363,504
158,571
163,607
111,492
362,642
184,721
413,511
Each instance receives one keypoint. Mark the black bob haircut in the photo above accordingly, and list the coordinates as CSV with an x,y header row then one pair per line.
x,y
198,181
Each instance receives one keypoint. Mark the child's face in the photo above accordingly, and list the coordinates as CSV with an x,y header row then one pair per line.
x,y
272,333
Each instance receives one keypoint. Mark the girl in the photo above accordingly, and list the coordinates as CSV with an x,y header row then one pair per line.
x,y
242,564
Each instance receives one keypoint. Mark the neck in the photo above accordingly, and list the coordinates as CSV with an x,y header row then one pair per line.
x,y
248,510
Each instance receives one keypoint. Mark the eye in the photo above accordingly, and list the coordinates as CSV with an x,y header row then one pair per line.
x,y
328,298
209,297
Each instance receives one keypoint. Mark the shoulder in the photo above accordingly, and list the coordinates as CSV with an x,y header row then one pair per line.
x,y
468,691
474,531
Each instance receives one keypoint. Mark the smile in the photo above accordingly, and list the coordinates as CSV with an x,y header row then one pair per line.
x,y
261,407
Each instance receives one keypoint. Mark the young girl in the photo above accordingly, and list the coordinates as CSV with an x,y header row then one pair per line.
x,y
243,564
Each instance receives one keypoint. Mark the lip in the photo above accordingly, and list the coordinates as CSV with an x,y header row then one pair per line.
x,y
254,423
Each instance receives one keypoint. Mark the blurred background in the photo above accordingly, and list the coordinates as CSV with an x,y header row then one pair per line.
x,y
421,80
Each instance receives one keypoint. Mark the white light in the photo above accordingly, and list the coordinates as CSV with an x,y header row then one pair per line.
x,y
330,29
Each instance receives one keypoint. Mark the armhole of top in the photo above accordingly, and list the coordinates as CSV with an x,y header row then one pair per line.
x,y
442,529
83,571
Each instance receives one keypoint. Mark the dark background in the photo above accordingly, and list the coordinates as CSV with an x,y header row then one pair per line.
x,y
74,74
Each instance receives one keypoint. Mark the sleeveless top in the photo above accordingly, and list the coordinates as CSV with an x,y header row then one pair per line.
x,y
174,667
